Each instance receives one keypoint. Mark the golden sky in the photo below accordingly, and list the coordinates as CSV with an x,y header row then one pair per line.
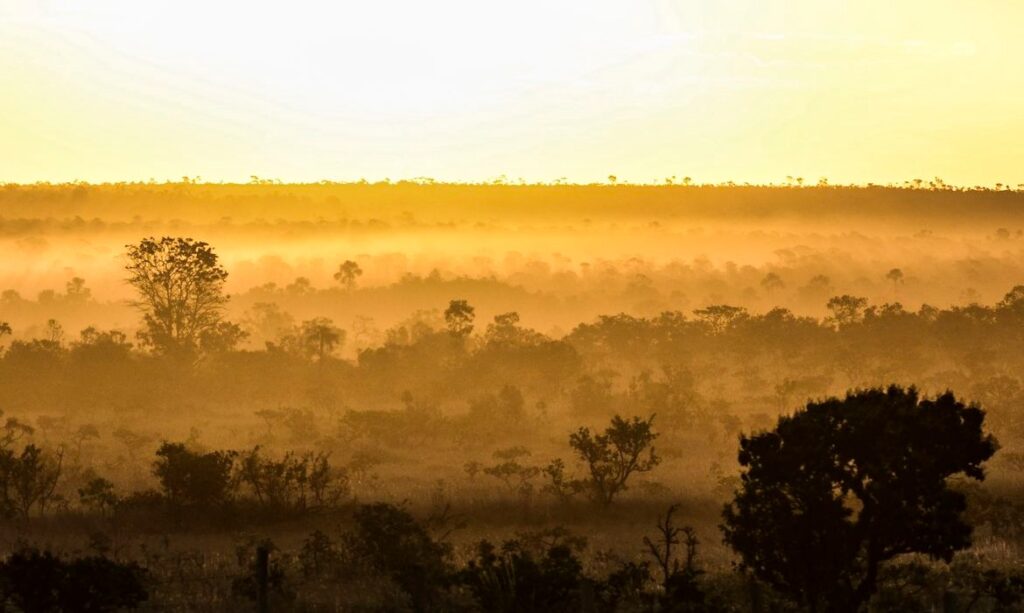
x,y
719,90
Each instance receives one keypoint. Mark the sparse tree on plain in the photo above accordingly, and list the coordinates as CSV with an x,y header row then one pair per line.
x,y
624,448
347,274
181,292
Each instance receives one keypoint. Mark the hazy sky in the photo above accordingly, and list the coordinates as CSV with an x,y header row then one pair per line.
x,y
744,90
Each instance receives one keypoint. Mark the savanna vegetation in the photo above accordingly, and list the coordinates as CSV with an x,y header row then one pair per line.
x,y
601,398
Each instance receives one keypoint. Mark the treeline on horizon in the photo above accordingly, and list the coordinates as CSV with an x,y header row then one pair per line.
x,y
426,200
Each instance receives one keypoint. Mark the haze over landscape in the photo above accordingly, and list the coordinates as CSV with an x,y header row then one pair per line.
x,y
658,306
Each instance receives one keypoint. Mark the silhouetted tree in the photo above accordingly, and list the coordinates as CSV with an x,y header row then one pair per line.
x,y
30,479
459,318
268,321
222,338
516,476
98,493
54,332
394,544
895,276
561,485
181,291
625,447
662,548
679,581
76,291
505,330
190,478
772,282
720,317
347,274
845,310
101,346
297,481
841,486
320,337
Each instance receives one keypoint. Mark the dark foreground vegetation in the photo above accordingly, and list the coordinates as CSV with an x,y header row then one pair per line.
x,y
457,465
844,504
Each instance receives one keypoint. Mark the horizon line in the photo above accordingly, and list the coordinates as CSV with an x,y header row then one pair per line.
x,y
936,184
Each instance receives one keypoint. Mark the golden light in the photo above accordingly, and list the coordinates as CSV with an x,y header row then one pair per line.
x,y
460,90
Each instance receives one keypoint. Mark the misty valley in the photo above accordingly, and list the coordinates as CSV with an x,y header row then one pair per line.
x,y
689,398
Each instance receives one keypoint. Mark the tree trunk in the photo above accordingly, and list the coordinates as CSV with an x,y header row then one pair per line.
x,y
262,578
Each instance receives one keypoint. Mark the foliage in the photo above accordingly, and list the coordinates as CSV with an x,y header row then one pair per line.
x,y
845,310
191,478
347,274
389,540
296,481
459,318
98,494
180,285
516,476
625,447
28,479
514,579
223,337
842,486
560,485
316,338
40,582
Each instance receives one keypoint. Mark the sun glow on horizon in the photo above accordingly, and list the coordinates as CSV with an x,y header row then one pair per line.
x,y
463,90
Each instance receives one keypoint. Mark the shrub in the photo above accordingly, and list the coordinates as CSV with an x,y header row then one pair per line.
x,y
391,542
625,447
40,582
190,478
514,579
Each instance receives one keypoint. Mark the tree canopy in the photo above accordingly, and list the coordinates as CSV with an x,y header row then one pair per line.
x,y
181,291
842,486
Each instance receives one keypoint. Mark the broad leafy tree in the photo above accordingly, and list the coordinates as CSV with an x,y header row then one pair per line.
x,y
842,486
181,292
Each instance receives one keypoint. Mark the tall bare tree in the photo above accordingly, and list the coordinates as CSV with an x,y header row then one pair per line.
x,y
181,291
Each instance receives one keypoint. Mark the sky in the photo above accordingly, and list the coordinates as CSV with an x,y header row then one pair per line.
x,y
757,90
